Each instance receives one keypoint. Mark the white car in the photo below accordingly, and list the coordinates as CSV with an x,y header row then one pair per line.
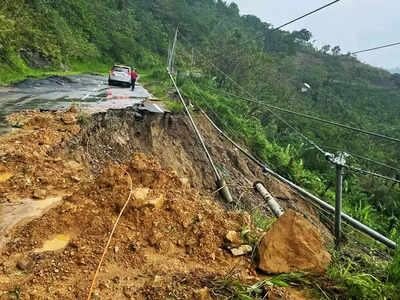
x,y
120,74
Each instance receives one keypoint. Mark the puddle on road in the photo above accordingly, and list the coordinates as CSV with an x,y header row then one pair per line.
x,y
5,176
12,214
59,242
87,91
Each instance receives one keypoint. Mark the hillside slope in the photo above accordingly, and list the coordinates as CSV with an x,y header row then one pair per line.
x,y
216,41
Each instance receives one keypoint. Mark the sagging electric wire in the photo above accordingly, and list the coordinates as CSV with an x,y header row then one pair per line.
x,y
364,158
292,21
376,48
329,156
333,123
358,170
353,222
270,107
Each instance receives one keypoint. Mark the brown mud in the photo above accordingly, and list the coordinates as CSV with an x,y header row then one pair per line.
x,y
62,187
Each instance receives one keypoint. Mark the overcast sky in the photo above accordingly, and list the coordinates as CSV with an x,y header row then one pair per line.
x,y
351,24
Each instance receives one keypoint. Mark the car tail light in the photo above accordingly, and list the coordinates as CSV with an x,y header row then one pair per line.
x,y
129,73
112,71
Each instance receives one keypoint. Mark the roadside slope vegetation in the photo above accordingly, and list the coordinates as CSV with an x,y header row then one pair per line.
x,y
39,36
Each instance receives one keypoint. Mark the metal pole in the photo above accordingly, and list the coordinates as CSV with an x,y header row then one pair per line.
x,y
338,208
272,203
172,57
220,181
351,221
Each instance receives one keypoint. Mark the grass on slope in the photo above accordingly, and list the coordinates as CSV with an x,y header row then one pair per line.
x,y
17,70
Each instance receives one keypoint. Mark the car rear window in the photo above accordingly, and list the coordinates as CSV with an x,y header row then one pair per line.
x,y
120,69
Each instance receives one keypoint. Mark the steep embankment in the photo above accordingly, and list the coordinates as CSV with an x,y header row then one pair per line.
x,y
173,238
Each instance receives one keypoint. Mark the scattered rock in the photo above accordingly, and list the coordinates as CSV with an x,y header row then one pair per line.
x,y
293,244
202,294
39,194
75,178
96,294
128,293
24,264
73,109
116,279
142,198
13,198
69,119
242,250
140,194
233,238
73,165
185,182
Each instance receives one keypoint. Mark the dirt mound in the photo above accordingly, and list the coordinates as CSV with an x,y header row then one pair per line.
x,y
293,244
31,160
61,189
156,251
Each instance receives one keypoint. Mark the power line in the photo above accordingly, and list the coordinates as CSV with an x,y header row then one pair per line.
x,y
377,48
358,170
326,154
364,158
352,221
293,112
272,113
306,15
292,21
231,130
333,123
322,204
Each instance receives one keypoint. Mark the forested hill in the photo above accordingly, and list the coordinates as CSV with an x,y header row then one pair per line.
x,y
88,35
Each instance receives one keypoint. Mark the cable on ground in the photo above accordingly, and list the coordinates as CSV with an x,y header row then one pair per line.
x,y
110,238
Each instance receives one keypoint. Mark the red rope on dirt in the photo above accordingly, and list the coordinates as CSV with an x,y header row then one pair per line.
x,y
110,238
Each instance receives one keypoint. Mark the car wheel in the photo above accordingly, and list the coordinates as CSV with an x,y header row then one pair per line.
x,y
110,82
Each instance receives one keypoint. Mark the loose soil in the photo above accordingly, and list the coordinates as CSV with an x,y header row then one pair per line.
x,y
50,249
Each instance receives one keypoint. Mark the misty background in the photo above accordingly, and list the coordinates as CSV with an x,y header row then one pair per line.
x,y
351,24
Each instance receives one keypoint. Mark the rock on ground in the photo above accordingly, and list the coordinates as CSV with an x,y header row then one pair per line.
x,y
293,244
202,294
242,250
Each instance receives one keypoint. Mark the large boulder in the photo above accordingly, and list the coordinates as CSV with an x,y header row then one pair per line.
x,y
293,244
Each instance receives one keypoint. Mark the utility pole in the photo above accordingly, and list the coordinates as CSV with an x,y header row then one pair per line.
x,y
169,54
338,206
339,161
172,55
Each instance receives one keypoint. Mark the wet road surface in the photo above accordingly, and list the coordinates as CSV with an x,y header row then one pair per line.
x,y
90,92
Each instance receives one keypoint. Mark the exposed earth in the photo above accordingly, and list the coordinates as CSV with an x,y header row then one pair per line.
x,y
64,177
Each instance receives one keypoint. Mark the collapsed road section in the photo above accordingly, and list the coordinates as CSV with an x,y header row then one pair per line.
x,y
175,237
57,93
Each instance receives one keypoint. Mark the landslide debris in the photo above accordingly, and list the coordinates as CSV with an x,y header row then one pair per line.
x,y
158,249
293,244
61,189
169,241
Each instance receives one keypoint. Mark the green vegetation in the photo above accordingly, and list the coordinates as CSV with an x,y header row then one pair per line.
x,y
361,277
15,294
174,107
83,118
40,37
233,289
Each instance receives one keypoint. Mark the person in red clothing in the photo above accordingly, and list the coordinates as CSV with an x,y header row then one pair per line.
x,y
134,76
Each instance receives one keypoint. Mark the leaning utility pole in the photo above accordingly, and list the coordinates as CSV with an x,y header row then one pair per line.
x,y
172,53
